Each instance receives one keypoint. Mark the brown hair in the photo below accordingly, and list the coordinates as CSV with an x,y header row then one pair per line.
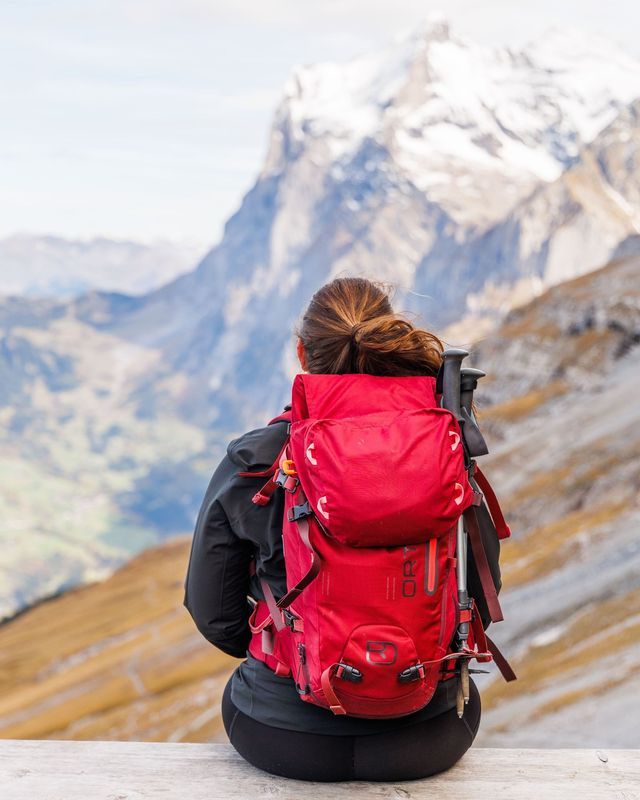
x,y
350,327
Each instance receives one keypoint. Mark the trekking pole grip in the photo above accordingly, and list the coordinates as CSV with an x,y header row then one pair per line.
x,y
474,440
469,378
452,360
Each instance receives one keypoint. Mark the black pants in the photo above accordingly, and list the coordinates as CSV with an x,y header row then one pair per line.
x,y
411,752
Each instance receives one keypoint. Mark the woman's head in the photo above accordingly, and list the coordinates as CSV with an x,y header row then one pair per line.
x,y
350,326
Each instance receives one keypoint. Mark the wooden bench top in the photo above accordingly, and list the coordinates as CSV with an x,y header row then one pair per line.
x,y
71,770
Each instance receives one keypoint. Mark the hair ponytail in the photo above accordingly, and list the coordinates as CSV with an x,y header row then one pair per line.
x,y
350,327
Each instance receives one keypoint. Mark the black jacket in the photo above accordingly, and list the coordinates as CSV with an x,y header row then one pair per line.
x,y
229,532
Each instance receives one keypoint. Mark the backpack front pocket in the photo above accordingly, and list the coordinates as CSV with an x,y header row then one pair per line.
x,y
383,479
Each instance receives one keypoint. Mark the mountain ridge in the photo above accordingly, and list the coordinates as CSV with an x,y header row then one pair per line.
x,y
46,265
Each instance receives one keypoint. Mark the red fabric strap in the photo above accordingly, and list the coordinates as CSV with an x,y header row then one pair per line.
x,y
284,417
314,569
500,661
260,473
482,565
263,497
274,618
263,642
329,694
267,640
504,531
274,612
479,636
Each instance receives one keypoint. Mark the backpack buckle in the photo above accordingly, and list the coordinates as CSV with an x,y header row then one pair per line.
x,y
292,622
299,512
414,673
348,673
288,482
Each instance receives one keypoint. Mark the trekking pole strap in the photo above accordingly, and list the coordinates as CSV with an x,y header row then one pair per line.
x,y
500,661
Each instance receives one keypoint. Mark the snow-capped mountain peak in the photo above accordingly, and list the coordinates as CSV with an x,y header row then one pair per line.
x,y
456,116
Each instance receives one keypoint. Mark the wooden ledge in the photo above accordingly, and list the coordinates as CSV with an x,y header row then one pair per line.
x,y
70,770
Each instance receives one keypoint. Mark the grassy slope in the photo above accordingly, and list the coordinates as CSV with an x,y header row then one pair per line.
x,y
120,659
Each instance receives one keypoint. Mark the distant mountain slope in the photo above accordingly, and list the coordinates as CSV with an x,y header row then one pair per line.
x,y
122,660
86,479
115,660
52,266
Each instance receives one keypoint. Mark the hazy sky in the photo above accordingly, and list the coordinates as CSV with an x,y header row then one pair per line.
x,y
148,118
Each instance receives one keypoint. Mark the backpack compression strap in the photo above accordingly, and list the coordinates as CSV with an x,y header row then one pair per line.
x,y
276,609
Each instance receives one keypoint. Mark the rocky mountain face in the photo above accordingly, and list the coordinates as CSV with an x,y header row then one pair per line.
x,y
467,194
559,410
569,226
39,266
467,176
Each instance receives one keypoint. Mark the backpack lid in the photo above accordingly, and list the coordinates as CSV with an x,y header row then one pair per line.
x,y
337,396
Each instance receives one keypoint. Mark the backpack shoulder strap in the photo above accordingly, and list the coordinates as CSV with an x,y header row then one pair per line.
x,y
284,417
263,496
263,473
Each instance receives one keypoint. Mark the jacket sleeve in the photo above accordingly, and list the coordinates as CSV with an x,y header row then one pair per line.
x,y
217,580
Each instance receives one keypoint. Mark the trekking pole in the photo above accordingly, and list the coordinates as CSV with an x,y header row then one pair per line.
x,y
475,446
452,363
451,400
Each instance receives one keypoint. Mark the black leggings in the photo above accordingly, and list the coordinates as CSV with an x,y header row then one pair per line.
x,y
410,752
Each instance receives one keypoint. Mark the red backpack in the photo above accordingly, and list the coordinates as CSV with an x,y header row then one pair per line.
x,y
374,477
